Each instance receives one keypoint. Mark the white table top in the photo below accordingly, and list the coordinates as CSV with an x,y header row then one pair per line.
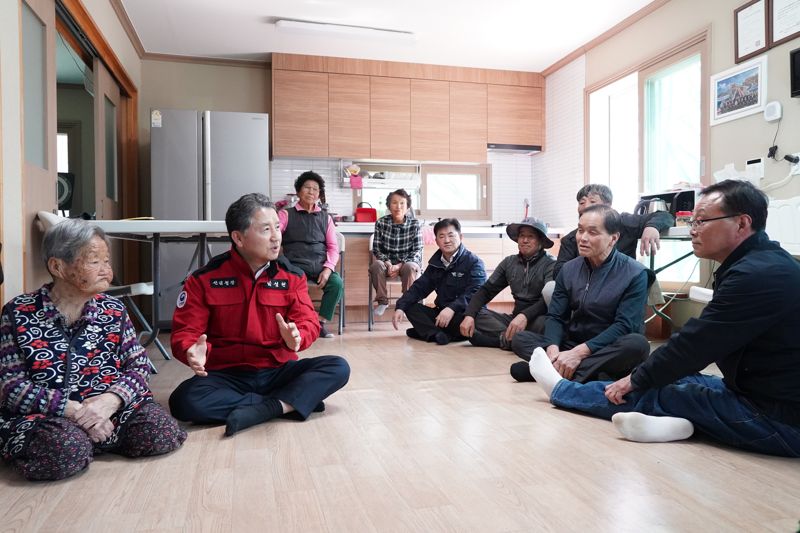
x,y
164,227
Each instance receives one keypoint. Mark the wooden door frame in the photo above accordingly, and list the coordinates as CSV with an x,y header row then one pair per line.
x,y
129,128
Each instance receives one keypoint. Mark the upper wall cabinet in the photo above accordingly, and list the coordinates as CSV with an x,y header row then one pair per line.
x,y
348,111
430,120
299,114
390,118
516,115
468,122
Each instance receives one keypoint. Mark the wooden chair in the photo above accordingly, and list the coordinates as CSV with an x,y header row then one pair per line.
x,y
340,240
390,282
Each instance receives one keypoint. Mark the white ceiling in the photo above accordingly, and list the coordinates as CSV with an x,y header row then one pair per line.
x,y
527,35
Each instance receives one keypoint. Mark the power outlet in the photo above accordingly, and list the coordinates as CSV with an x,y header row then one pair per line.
x,y
796,166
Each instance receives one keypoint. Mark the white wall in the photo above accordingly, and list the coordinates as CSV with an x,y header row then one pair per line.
x,y
734,141
559,169
11,154
512,183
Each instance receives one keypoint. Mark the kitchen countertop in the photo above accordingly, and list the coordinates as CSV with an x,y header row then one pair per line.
x,y
367,228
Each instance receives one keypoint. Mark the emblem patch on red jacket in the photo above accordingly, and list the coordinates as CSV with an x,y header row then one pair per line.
x,y
278,284
223,283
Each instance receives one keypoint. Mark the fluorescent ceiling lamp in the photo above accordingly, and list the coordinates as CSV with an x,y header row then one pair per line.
x,y
342,29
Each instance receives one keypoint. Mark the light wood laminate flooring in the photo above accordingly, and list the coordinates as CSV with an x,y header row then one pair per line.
x,y
423,438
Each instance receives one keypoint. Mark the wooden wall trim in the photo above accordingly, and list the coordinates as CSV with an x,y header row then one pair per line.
x,y
129,141
629,21
86,23
70,38
127,25
395,69
206,60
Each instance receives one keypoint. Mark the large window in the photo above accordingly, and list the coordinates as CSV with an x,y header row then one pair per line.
x,y
646,134
672,125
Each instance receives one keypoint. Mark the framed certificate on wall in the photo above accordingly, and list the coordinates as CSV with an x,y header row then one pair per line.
x,y
784,21
750,30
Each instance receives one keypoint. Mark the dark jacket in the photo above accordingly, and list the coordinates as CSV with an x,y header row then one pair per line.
x,y
597,306
632,228
526,277
304,240
454,285
749,329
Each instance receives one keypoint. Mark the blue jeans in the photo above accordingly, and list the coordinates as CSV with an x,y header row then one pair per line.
x,y
704,400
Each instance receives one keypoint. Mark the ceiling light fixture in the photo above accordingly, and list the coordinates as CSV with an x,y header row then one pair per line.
x,y
342,29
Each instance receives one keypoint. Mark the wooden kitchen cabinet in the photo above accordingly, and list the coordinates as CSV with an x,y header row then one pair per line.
x,y
299,114
430,120
515,115
390,118
468,122
349,116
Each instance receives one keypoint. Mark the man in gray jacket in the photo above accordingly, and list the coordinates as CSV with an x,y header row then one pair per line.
x,y
526,273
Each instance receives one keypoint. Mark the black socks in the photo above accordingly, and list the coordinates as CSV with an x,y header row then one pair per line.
x,y
249,415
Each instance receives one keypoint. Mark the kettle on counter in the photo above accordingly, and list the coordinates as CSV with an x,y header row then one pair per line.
x,y
651,205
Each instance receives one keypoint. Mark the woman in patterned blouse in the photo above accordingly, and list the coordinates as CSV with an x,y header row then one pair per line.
x,y
396,248
73,377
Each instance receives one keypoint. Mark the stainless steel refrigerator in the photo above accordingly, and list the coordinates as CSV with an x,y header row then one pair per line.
x,y
200,162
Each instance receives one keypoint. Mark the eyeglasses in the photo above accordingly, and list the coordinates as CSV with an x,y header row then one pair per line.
x,y
697,223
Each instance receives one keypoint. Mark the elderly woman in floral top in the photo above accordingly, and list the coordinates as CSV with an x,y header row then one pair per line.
x,y
73,377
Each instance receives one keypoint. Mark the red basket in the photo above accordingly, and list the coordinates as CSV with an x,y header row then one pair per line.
x,y
366,214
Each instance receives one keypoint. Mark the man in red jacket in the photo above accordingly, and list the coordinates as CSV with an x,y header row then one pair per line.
x,y
239,323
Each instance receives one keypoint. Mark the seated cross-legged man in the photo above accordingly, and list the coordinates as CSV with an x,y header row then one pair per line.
x,y
397,247
455,274
239,323
526,273
596,317
749,329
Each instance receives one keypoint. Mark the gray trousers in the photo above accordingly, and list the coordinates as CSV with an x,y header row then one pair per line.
x,y
409,273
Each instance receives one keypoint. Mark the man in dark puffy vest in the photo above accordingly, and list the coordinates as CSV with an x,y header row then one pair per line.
x,y
455,274
595,320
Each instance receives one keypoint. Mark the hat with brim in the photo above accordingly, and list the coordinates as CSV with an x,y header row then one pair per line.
x,y
535,224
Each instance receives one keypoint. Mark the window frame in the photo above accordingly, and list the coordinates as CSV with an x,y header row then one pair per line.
x,y
484,211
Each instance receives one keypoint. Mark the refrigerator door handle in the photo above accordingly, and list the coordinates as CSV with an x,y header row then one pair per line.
x,y
206,165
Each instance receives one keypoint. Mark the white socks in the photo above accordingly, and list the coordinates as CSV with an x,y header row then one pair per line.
x,y
543,371
381,309
639,427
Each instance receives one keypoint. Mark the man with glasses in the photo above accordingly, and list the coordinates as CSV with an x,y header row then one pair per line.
x,y
749,329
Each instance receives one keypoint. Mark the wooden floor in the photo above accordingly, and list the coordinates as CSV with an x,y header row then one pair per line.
x,y
423,438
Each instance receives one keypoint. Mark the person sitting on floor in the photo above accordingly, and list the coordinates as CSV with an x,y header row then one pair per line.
x,y
455,274
596,317
633,227
749,329
527,273
239,323
73,376
396,248
309,242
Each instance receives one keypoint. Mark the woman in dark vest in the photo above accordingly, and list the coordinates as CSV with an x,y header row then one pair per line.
x,y
309,242
73,377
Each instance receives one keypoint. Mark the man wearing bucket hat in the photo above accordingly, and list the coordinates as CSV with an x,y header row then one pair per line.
x,y
526,273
